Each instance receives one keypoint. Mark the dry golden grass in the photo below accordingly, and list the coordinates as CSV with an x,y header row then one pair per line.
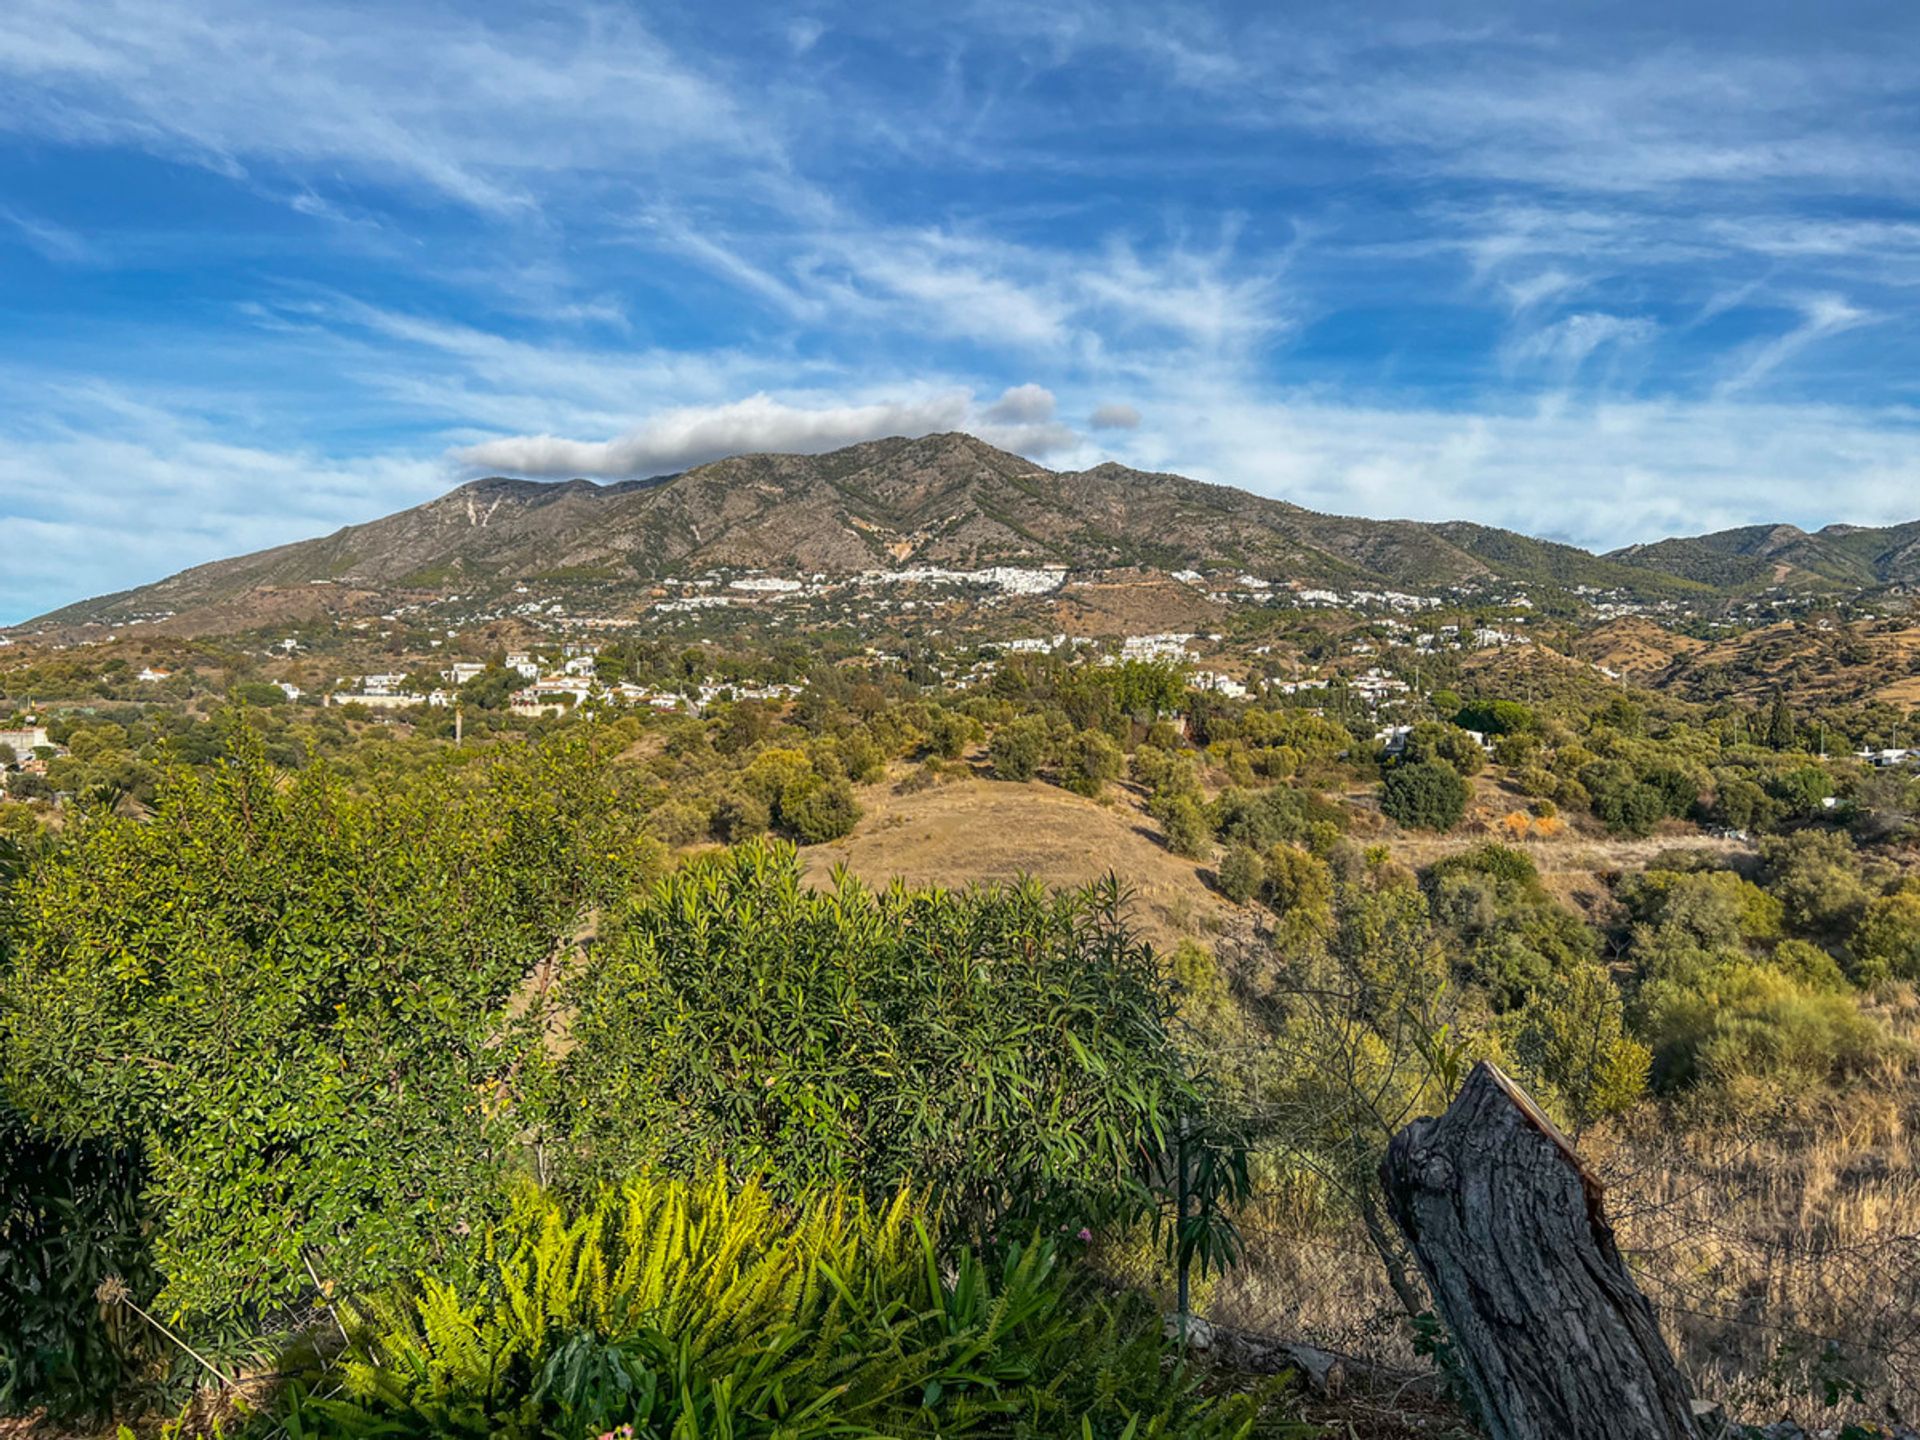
x,y
975,829
1764,1229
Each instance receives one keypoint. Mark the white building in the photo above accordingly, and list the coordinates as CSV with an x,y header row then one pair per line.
x,y
24,742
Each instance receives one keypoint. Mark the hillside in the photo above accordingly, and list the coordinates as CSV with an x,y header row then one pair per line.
x,y
1755,556
948,501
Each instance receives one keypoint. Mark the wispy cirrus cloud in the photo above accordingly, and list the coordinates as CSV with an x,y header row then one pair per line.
x,y
1821,316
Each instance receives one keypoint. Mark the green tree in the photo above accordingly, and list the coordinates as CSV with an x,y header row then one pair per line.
x,y
1019,748
1184,825
1089,762
1886,945
1427,796
814,810
295,1000
1782,733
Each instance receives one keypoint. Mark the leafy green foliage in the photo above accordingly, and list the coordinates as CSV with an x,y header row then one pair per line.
x,y
1007,1046
688,1308
1019,749
296,1001
1242,874
1424,796
1089,762
1495,717
70,1217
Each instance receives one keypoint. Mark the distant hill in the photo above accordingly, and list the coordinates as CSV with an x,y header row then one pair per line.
x,y
950,501
1756,556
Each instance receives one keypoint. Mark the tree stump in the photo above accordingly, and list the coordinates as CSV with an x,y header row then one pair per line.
x,y
1556,1340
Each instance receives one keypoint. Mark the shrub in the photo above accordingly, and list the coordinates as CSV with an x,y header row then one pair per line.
x,y
299,1061
1184,825
1629,809
1241,874
1887,943
1089,763
1740,1019
1018,749
71,1215
740,817
949,733
679,822
1816,875
874,1039
814,810
1571,1035
1424,796
1299,887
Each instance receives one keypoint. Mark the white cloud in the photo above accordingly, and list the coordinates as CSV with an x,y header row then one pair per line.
x,y
54,242
678,439
1115,417
1820,317
1596,475
1567,344
424,96
101,490
1022,405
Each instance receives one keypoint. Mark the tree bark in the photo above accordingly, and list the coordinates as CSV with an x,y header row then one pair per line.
x,y
1507,1224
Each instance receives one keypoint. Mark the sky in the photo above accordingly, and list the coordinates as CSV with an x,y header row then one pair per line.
x,y
1601,273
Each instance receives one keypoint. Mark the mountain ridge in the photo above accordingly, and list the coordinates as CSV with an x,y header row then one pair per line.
x,y
953,501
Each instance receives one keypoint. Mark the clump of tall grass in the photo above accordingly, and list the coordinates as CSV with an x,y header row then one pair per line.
x,y
687,1308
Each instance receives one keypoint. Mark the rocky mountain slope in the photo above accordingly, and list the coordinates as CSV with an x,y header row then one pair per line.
x,y
949,501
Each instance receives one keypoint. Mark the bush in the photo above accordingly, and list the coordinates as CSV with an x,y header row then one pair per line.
x,y
71,1215
300,1061
1629,809
698,1308
814,810
1886,946
1019,748
873,1039
1242,874
1090,762
1816,875
1571,1036
1424,796
1184,825
740,817
949,733
1299,887
1740,1019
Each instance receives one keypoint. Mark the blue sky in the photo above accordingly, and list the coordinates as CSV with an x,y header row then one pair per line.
x,y
1597,272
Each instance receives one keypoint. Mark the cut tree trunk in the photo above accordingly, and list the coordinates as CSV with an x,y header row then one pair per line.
x,y
1507,1224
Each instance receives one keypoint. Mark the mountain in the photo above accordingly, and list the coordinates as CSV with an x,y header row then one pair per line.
x,y
1756,556
948,501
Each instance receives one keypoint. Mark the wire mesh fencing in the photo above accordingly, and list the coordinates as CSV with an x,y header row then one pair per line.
x,y
1782,1259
